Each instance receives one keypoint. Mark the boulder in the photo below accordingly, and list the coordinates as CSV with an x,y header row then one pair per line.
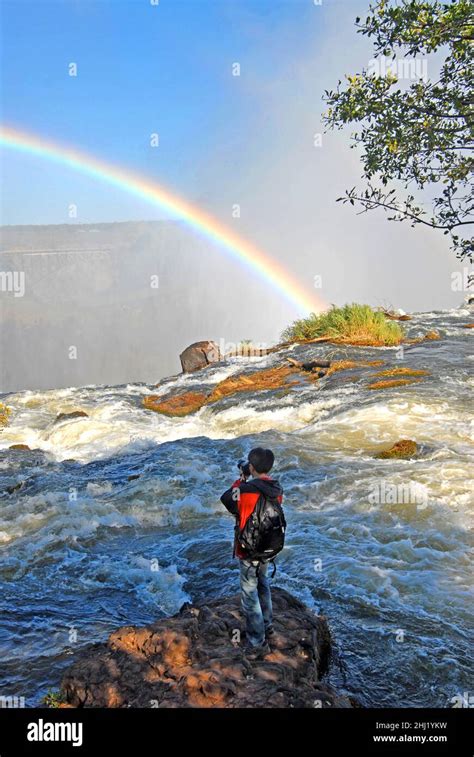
x,y
196,659
70,416
199,355
404,450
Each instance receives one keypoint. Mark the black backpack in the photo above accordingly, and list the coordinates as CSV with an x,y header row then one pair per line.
x,y
263,535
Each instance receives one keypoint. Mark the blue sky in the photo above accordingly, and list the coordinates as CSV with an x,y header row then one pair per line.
x,y
141,68
224,140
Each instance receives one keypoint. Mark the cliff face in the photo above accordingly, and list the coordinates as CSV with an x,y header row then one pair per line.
x,y
195,659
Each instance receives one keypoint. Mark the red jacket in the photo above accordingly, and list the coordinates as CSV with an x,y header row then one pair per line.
x,y
241,498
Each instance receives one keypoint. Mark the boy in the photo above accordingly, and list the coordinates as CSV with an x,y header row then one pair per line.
x,y
240,500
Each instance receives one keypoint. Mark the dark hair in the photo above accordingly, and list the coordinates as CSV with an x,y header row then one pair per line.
x,y
261,459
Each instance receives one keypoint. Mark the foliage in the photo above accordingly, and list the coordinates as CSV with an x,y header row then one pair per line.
x,y
417,134
357,324
53,699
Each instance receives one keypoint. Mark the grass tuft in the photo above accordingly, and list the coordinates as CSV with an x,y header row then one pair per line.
x,y
352,324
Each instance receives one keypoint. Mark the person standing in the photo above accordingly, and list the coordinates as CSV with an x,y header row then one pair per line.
x,y
259,536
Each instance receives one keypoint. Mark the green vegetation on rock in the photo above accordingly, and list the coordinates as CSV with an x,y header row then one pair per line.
x,y
53,699
351,324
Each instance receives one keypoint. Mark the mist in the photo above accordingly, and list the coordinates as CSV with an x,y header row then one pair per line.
x,y
92,312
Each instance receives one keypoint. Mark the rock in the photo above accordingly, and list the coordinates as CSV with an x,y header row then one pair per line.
x,y
348,365
404,450
4,414
15,487
431,335
70,416
175,405
315,364
19,446
428,337
309,366
263,380
391,383
396,315
194,659
188,402
133,476
199,355
398,371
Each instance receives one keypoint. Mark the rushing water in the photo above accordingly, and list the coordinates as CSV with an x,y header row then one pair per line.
x,y
85,549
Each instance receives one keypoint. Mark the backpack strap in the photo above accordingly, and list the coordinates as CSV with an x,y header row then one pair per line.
x,y
270,561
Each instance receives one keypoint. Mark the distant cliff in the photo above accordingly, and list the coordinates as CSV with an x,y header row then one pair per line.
x,y
129,297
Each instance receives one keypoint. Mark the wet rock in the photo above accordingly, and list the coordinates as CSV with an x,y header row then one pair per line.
x,y
396,315
404,450
15,487
402,372
310,365
263,380
391,383
70,416
4,414
431,335
349,365
199,355
188,402
133,476
176,405
196,659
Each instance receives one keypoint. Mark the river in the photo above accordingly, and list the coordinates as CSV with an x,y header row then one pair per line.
x,y
87,546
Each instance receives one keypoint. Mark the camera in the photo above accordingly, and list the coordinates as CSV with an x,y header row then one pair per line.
x,y
244,467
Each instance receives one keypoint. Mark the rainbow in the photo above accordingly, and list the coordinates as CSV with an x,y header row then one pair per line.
x,y
243,251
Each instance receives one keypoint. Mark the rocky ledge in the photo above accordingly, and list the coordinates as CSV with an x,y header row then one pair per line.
x,y
195,659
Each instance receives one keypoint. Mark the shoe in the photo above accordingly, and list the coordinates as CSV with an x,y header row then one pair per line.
x,y
269,632
256,653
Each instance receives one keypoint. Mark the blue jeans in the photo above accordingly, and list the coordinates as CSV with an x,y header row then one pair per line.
x,y
255,600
